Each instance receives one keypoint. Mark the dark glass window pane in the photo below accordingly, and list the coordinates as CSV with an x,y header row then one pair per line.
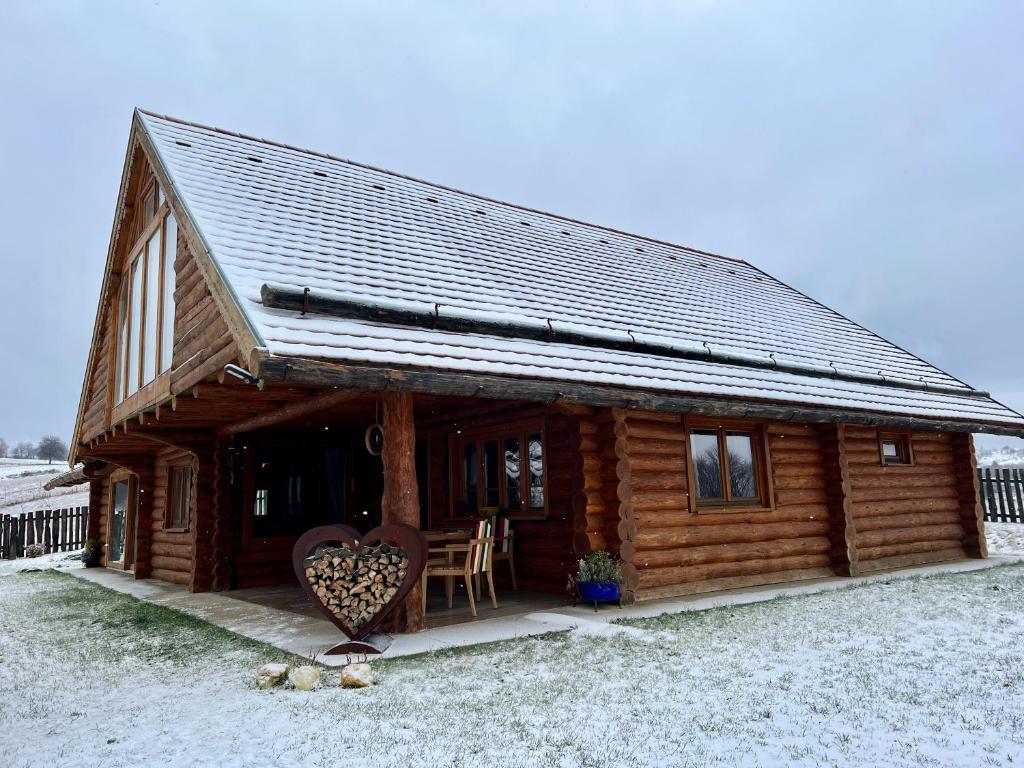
x,y
288,493
742,480
181,491
535,451
707,467
118,523
469,477
492,473
152,306
513,496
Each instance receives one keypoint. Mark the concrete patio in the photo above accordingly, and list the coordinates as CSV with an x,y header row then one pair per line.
x,y
280,621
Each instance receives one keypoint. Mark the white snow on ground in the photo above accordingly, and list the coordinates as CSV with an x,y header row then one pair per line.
x,y
909,672
1005,538
61,561
21,487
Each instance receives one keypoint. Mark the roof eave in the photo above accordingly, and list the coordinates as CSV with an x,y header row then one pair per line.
x,y
315,372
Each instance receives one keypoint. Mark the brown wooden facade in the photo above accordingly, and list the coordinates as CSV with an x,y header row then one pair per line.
x,y
824,501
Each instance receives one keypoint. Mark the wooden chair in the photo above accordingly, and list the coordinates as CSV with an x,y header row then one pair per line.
x,y
503,546
468,560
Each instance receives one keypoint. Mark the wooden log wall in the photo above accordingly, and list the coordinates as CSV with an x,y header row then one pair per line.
x,y
93,527
171,558
668,550
908,515
596,504
94,419
203,343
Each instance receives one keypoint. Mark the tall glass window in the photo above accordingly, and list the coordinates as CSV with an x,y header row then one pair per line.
x,y
151,309
134,326
145,340
122,341
167,307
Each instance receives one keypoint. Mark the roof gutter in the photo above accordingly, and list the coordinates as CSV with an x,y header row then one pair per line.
x,y
457,320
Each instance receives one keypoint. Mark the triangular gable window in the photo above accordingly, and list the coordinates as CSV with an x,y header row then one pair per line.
x,y
145,306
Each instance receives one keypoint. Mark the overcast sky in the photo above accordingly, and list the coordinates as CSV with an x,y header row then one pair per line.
x,y
871,155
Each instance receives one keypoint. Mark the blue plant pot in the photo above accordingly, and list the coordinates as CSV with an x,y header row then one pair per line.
x,y
599,593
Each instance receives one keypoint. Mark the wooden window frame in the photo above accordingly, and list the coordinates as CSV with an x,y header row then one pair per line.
x,y
170,507
480,435
765,501
904,448
138,252
127,561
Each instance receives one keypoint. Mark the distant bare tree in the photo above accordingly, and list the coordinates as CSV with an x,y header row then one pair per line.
x,y
3,448
52,447
741,475
23,450
709,473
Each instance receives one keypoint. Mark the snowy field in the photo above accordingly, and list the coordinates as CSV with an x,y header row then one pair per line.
x,y
912,672
21,487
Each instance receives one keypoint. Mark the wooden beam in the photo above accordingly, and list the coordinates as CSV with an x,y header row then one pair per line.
x,y
314,404
400,502
319,373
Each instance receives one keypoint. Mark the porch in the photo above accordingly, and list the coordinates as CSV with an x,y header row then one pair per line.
x,y
273,616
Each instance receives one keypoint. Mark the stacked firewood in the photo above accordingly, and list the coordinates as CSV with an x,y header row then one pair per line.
x,y
355,586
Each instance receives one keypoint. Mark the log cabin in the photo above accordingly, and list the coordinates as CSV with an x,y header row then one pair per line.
x,y
263,306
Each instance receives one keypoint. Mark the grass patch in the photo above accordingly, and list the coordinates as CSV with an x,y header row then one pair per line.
x,y
134,629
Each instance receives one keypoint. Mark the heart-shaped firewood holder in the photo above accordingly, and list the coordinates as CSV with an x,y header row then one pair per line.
x,y
356,581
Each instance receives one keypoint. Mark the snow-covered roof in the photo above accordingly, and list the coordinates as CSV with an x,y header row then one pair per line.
x,y
293,219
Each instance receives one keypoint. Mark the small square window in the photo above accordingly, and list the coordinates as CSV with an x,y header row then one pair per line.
x,y
895,449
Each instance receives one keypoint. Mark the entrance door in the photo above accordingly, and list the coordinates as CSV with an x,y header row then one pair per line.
x,y
120,525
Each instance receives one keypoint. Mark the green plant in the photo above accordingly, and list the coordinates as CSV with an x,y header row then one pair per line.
x,y
92,551
598,567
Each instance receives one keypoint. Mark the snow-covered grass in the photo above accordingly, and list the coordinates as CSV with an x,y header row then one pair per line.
x,y
912,672
21,487
62,561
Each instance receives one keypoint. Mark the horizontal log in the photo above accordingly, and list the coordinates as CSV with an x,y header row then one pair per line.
x,y
175,577
893,493
919,533
163,549
629,446
163,563
650,429
677,519
890,562
724,553
702,535
657,577
732,582
782,444
864,509
907,520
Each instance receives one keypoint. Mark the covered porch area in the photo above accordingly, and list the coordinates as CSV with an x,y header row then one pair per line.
x,y
214,487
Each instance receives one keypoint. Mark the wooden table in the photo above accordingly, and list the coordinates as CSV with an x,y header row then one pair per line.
x,y
447,537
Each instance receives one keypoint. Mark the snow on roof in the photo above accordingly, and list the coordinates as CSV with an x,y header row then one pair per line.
x,y
273,214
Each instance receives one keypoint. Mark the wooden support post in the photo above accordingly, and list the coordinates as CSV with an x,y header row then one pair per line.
x,y
972,515
92,528
400,502
145,472
842,529
204,521
223,538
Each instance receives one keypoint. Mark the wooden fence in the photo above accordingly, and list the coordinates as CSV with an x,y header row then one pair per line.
x,y
58,530
1002,494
